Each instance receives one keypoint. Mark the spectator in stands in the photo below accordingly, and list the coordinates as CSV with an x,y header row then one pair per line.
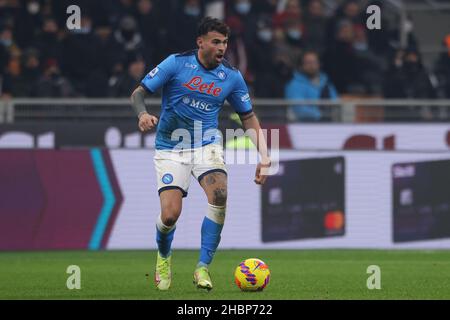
x,y
293,30
315,24
265,7
244,12
340,58
408,79
309,83
262,62
6,44
442,70
148,23
129,38
79,54
14,83
52,84
31,67
285,55
292,11
349,11
237,51
27,19
119,9
128,81
49,41
183,29
380,39
369,65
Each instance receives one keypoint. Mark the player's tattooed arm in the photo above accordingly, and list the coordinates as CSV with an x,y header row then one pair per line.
x,y
138,101
146,120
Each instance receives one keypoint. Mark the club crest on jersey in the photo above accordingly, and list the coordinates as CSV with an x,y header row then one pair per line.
x,y
153,72
197,84
221,74
167,178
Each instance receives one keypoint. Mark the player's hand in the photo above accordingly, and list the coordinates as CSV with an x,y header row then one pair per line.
x,y
261,172
147,122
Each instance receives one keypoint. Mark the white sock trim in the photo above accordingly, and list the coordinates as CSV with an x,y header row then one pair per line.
x,y
162,227
216,213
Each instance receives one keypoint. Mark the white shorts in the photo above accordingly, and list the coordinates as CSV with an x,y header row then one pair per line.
x,y
174,167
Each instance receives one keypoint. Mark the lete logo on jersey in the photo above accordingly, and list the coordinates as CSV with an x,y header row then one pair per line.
x,y
196,84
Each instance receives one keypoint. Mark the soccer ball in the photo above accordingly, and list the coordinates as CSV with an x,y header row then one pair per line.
x,y
252,275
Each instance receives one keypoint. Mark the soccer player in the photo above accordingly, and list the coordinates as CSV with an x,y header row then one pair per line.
x,y
195,85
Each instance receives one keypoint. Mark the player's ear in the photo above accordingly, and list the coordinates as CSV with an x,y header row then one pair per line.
x,y
200,42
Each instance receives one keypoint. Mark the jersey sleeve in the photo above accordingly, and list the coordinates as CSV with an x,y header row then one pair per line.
x,y
239,98
160,75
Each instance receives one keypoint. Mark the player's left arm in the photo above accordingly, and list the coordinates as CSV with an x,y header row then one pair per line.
x,y
250,121
240,100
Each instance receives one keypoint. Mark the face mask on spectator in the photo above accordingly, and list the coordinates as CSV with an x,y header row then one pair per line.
x,y
6,42
265,35
83,30
294,34
360,46
33,7
243,7
193,11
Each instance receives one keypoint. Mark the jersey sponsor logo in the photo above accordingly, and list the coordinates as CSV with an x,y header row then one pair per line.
x,y
153,72
195,103
186,100
245,97
197,84
190,65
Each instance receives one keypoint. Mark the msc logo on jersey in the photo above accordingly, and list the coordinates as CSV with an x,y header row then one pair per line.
x,y
152,73
167,178
221,74
197,104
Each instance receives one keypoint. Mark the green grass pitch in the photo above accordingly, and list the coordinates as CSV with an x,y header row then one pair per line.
x,y
295,274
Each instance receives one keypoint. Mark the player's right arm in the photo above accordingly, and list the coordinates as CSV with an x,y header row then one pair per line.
x,y
155,79
146,120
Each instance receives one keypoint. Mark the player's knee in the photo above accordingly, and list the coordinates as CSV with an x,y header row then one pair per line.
x,y
170,214
169,219
219,197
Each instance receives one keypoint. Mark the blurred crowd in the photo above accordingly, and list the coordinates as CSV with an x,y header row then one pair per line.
x,y
278,45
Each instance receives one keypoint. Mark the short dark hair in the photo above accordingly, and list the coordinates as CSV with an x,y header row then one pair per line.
x,y
209,24
305,53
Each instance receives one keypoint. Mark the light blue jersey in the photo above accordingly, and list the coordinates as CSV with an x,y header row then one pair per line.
x,y
192,96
